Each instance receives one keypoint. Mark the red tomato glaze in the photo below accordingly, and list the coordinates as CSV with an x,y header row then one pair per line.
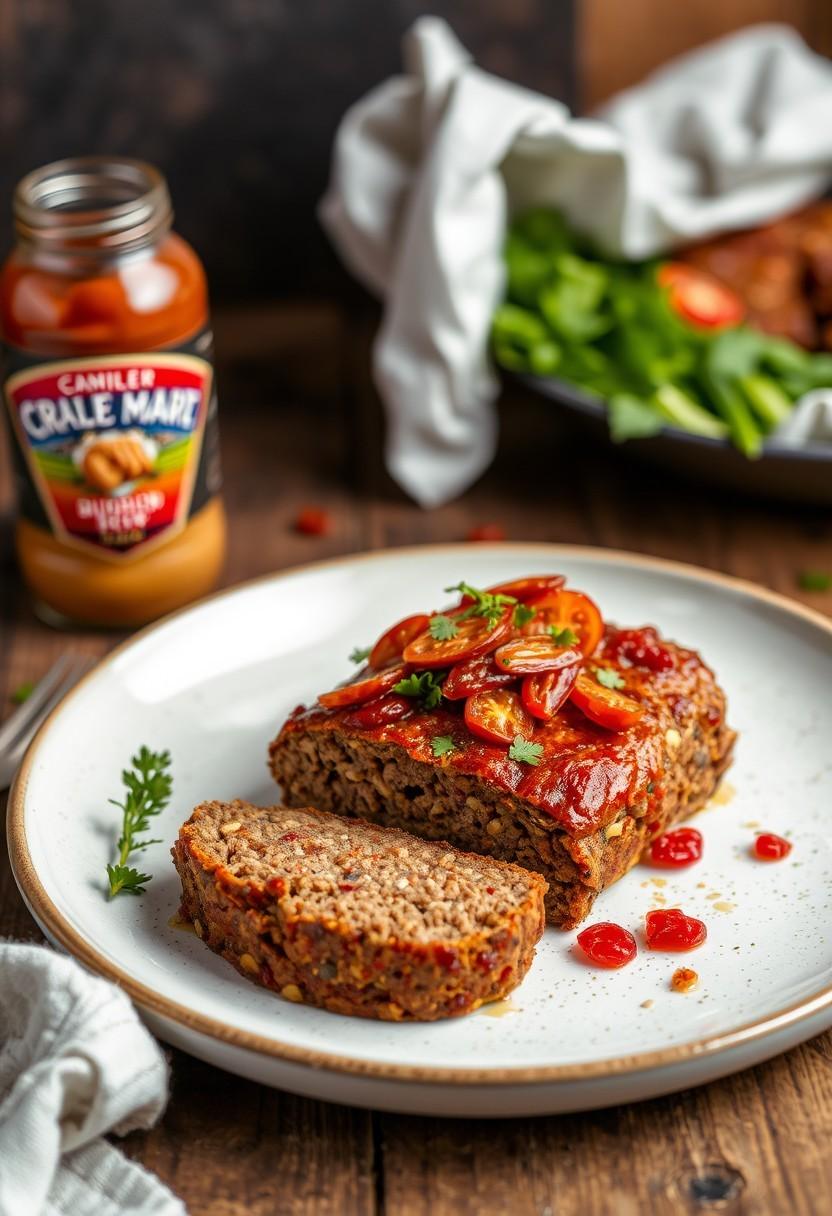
x,y
768,847
676,849
607,944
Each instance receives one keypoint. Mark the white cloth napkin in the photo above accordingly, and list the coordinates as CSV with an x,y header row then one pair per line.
x,y
428,166
75,1063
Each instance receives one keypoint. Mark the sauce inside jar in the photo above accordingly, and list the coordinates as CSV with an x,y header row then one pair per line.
x,y
109,387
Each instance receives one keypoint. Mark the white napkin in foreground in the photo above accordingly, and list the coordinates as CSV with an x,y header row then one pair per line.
x,y
75,1062
428,166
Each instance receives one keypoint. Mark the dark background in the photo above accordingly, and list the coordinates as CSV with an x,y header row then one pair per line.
x,y
237,101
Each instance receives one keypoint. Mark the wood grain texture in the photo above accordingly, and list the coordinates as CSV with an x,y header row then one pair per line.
x,y
301,425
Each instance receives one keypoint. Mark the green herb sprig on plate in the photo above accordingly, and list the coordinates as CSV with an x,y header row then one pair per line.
x,y
148,787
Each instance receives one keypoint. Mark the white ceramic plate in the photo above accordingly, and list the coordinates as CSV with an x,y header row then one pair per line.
x,y
213,683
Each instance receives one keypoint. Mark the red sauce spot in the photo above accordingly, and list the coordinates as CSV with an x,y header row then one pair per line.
x,y
607,944
768,847
640,647
676,849
505,973
276,886
313,521
489,890
486,959
346,886
713,715
446,958
671,929
288,837
485,532
683,979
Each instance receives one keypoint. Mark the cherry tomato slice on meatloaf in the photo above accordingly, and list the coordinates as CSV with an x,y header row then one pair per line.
x,y
526,656
699,298
677,849
567,610
474,675
474,635
391,644
366,686
671,929
768,847
389,708
607,944
606,706
498,716
525,589
544,693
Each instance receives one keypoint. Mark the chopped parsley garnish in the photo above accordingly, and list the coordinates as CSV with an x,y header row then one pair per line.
x,y
608,677
522,615
442,628
23,692
814,580
359,655
442,745
563,635
484,603
423,685
525,751
148,785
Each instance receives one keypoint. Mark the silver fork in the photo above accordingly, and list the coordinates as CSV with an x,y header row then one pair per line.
x,y
16,733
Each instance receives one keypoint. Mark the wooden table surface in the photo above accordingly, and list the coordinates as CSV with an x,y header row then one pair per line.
x,y
301,426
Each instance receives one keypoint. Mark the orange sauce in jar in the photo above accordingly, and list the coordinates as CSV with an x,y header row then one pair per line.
x,y
109,388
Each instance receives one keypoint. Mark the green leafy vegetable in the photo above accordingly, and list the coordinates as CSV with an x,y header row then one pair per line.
x,y
484,603
442,745
609,328
523,614
148,788
563,635
23,692
814,580
525,751
608,677
359,655
442,628
424,685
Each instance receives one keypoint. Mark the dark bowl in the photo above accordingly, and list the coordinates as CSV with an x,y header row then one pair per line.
x,y
793,474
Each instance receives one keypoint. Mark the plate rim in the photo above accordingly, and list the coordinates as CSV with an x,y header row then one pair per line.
x,y
56,926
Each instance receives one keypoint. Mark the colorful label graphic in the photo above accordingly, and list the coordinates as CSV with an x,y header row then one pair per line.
x,y
112,447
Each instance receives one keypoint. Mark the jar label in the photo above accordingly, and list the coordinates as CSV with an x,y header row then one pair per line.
x,y
115,452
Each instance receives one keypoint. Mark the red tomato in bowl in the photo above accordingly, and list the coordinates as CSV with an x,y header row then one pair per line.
x,y
498,716
699,298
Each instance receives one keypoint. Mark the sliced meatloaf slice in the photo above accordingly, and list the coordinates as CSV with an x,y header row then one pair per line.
x,y
581,815
356,918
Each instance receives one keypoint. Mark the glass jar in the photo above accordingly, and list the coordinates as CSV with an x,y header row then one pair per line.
x,y
109,387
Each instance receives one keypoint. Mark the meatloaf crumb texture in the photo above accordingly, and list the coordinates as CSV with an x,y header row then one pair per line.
x,y
356,918
581,822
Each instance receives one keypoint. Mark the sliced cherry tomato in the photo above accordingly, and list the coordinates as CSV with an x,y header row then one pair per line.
x,y
389,708
670,929
485,532
497,715
606,706
366,686
768,847
313,521
474,636
525,589
607,944
474,675
527,656
699,298
544,693
391,644
563,609
677,849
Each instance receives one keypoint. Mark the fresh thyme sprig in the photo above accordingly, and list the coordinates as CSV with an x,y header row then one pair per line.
x,y
148,785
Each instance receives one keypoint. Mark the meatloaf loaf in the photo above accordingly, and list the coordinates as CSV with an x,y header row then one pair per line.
x,y
559,792
356,918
